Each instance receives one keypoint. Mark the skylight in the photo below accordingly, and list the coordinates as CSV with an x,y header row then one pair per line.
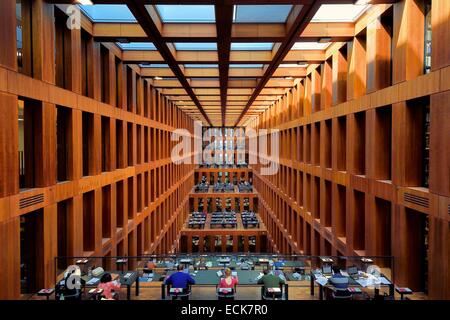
x,y
261,13
339,12
251,46
108,13
137,46
154,65
186,13
196,46
310,46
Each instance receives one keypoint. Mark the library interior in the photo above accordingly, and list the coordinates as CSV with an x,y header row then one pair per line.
x,y
229,149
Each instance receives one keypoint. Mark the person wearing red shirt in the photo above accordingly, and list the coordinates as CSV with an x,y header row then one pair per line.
x,y
108,286
229,281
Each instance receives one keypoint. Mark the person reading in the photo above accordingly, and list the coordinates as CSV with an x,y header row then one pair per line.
x,y
339,282
271,281
228,281
108,286
180,279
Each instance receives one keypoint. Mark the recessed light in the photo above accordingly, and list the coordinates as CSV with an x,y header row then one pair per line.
x,y
288,78
84,2
158,78
362,2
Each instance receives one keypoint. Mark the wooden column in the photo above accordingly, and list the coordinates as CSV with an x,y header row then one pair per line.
x,y
439,153
43,41
408,40
245,243
74,66
49,245
339,78
76,158
98,236
111,80
356,78
316,86
327,85
9,139
10,257
75,226
440,11
122,87
378,56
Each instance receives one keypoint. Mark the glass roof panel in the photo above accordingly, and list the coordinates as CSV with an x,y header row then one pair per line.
x,y
154,65
186,13
196,46
201,65
246,65
310,46
108,13
136,46
339,12
252,46
261,13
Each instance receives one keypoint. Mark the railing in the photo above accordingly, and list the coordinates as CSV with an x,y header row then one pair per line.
x,y
297,270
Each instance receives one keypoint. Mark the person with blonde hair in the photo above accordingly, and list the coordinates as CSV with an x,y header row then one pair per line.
x,y
228,281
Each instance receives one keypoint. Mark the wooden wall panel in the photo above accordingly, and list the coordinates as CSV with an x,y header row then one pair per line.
x,y
439,150
440,13
378,139
9,137
8,55
10,258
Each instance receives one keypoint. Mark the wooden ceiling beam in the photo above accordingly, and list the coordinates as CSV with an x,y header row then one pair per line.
x,y
193,73
206,32
211,57
224,21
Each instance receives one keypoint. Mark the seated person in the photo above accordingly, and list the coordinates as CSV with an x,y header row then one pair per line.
x,y
339,281
278,264
279,274
270,280
62,288
228,281
202,264
245,265
180,279
108,285
151,265
169,264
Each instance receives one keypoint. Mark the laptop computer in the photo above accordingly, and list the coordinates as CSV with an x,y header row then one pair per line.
x,y
326,270
353,272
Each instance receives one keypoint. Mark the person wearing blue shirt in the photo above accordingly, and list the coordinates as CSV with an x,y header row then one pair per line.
x,y
339,282
180,279
278,264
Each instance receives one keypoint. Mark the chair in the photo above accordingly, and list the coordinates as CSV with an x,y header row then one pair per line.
x,y
341,295
271,293
225,293
180,293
